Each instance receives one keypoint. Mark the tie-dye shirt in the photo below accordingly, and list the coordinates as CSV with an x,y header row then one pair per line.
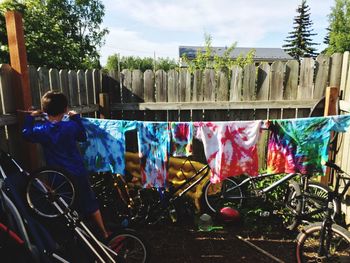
x,y
154,148
181,138
230,147
104,150
301,145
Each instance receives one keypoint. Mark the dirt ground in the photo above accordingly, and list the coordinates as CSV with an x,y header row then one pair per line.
x,y
233,243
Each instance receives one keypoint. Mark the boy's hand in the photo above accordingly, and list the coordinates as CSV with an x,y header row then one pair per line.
x,y
72,113
36,113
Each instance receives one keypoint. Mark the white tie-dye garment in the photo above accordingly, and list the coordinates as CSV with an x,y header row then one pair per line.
x,y
230,147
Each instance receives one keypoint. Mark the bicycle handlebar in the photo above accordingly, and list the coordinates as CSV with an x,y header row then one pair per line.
x,y
334,166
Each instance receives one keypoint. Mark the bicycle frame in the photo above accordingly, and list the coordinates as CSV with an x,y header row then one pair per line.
x,y
260,191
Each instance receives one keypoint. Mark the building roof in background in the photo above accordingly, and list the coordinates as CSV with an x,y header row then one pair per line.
x,y
261,54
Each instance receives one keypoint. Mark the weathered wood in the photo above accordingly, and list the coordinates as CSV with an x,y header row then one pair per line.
x,y
64,83
114,89
96,80
54,79
173,86
137,86
263,82
34,87
236,83
82,92
197,86
224,105
44,83
209,85
105,112
276,84
291,77
322,69
91,99
149,89
161,86
73,88
249,78
182,85
344,70
223,87
335,74
306,85
7,94
127,86
8,119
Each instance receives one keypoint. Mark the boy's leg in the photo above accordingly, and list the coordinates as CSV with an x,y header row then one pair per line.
x,y
97,218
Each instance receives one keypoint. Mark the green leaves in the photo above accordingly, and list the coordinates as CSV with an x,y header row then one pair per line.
x,y
59,33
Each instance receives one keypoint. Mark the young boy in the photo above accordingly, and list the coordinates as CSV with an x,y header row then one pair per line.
x,y
58,135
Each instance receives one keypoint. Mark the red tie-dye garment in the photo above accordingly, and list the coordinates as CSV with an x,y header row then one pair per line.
x,y
230,147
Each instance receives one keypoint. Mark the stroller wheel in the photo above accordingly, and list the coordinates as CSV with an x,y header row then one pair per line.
x,y
50,192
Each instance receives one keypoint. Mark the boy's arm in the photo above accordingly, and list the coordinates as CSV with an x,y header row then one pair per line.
x,y
80,133
31,132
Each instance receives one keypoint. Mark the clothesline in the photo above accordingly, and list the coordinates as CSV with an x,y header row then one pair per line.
x,y
295,145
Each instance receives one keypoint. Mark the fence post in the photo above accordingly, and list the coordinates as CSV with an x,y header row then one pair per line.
x,y
330,108
104,106
18,61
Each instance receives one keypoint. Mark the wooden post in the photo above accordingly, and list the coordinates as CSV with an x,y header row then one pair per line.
x,y
18,60
330,108
105,112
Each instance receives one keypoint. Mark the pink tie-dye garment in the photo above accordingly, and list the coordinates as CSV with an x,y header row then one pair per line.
x,y
230,147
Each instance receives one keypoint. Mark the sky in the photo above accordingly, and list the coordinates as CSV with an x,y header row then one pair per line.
x,y
156,28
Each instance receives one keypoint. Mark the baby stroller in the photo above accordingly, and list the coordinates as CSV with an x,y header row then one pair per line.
x,y
29,201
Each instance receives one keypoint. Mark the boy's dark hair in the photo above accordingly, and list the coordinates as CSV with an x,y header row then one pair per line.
x,y
54,103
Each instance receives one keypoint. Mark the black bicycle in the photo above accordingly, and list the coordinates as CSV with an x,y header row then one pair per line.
x,y
326,241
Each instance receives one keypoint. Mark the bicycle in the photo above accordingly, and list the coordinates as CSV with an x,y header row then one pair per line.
x,y
51,194
326,241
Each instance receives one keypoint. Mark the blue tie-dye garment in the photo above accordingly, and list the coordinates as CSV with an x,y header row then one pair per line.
x,y
154,148
301,145
104,150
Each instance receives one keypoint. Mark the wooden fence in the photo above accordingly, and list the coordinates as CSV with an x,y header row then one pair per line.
x,y
277,90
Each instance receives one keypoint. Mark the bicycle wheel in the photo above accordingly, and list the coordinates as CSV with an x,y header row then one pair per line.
x,y
226,193
45,188
308,244
292,206
129,246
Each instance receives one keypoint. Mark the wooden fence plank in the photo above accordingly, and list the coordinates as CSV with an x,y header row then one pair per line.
x,y
91,99
249,78
223,87
197,86
44,83
161,93
336,69
306,86
236,83
173,87
291,83
276,84
127,85
64,83
73,88
182,84
209,85
54,79
137,86
34,86
82,92
344,70
149,91
321,80
8,103
263,82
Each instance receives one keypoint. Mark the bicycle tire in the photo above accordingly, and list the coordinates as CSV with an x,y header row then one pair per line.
x,y
307,244
47,185
219,195
130,246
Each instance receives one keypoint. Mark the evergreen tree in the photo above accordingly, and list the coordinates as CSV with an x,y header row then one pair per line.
x,y
339,27
299,42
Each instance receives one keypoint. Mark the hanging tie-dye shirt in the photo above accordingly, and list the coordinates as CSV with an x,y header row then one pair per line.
x,y
154,149
181,138
301,145
230,147
104,150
